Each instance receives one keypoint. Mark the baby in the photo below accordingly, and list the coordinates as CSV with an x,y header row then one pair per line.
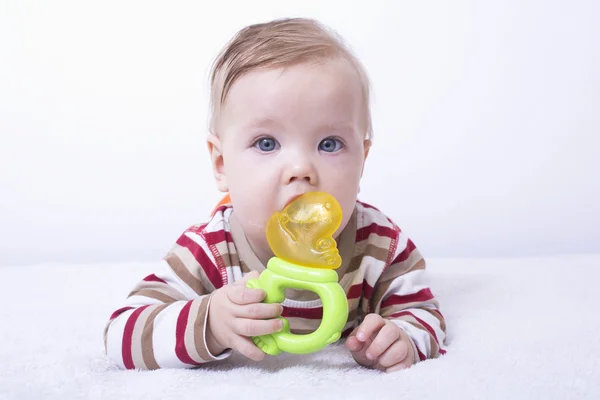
x,y
290,115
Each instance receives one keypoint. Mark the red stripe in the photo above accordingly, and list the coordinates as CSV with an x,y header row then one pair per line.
x,y
153,278
180,349
420,321
197,229
429,329
119,312
366,205
421,296
306,313
363,233
354,291
209,268
127,337
221,209
218,236
410,246
214,238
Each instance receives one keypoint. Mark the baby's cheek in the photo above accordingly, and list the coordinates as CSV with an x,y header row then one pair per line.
x,y
348,202
260,207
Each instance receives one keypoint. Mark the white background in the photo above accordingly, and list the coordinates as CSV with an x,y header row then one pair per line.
x,y
486,117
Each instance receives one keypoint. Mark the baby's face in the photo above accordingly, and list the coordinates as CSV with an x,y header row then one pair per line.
x,y
288,132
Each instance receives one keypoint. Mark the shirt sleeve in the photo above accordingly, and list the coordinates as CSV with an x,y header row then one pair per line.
x,y
162,323
402,295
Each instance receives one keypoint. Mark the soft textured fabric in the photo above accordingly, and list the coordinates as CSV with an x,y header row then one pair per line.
x,y
517,329
162,324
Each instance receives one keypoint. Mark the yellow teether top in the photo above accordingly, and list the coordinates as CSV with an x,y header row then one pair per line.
x,y
302,233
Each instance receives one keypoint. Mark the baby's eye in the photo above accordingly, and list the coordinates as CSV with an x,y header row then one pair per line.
x,y
330,145
266,144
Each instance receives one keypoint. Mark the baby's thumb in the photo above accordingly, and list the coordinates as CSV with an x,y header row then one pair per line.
x,y
247,277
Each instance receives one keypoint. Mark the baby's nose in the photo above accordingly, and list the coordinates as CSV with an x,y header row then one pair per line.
x,y
301,169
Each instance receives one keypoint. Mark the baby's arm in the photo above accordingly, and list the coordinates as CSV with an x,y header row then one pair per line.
x,y
402,296
163,321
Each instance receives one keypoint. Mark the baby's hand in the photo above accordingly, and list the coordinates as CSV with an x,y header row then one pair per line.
x,y
235,314
381,344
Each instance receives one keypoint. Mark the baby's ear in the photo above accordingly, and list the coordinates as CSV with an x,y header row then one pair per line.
x,y
215,150
366,148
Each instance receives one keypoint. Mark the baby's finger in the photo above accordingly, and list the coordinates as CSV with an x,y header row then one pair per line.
x,y
256,327
389,334
395,354
369,327
353,344
259,311
242,295
247,348
247,277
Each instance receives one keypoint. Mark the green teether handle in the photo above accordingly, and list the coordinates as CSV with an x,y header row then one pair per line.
x,y
281,275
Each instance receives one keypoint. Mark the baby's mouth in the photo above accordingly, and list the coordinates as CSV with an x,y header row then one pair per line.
x,y
292,199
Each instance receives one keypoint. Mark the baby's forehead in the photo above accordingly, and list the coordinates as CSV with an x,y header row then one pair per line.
x,y
327,95
299,80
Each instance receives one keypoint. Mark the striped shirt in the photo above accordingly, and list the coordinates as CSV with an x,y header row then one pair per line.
x,y
162,323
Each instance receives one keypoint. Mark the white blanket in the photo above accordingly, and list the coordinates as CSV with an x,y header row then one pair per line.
x,y
517,329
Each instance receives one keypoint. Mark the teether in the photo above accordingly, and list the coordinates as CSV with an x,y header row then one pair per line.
x,y
301,237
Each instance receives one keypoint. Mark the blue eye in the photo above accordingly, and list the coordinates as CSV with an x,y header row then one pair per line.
x,y
330,145
266,144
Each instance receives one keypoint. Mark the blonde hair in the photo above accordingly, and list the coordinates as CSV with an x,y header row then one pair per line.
x,y
278,44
